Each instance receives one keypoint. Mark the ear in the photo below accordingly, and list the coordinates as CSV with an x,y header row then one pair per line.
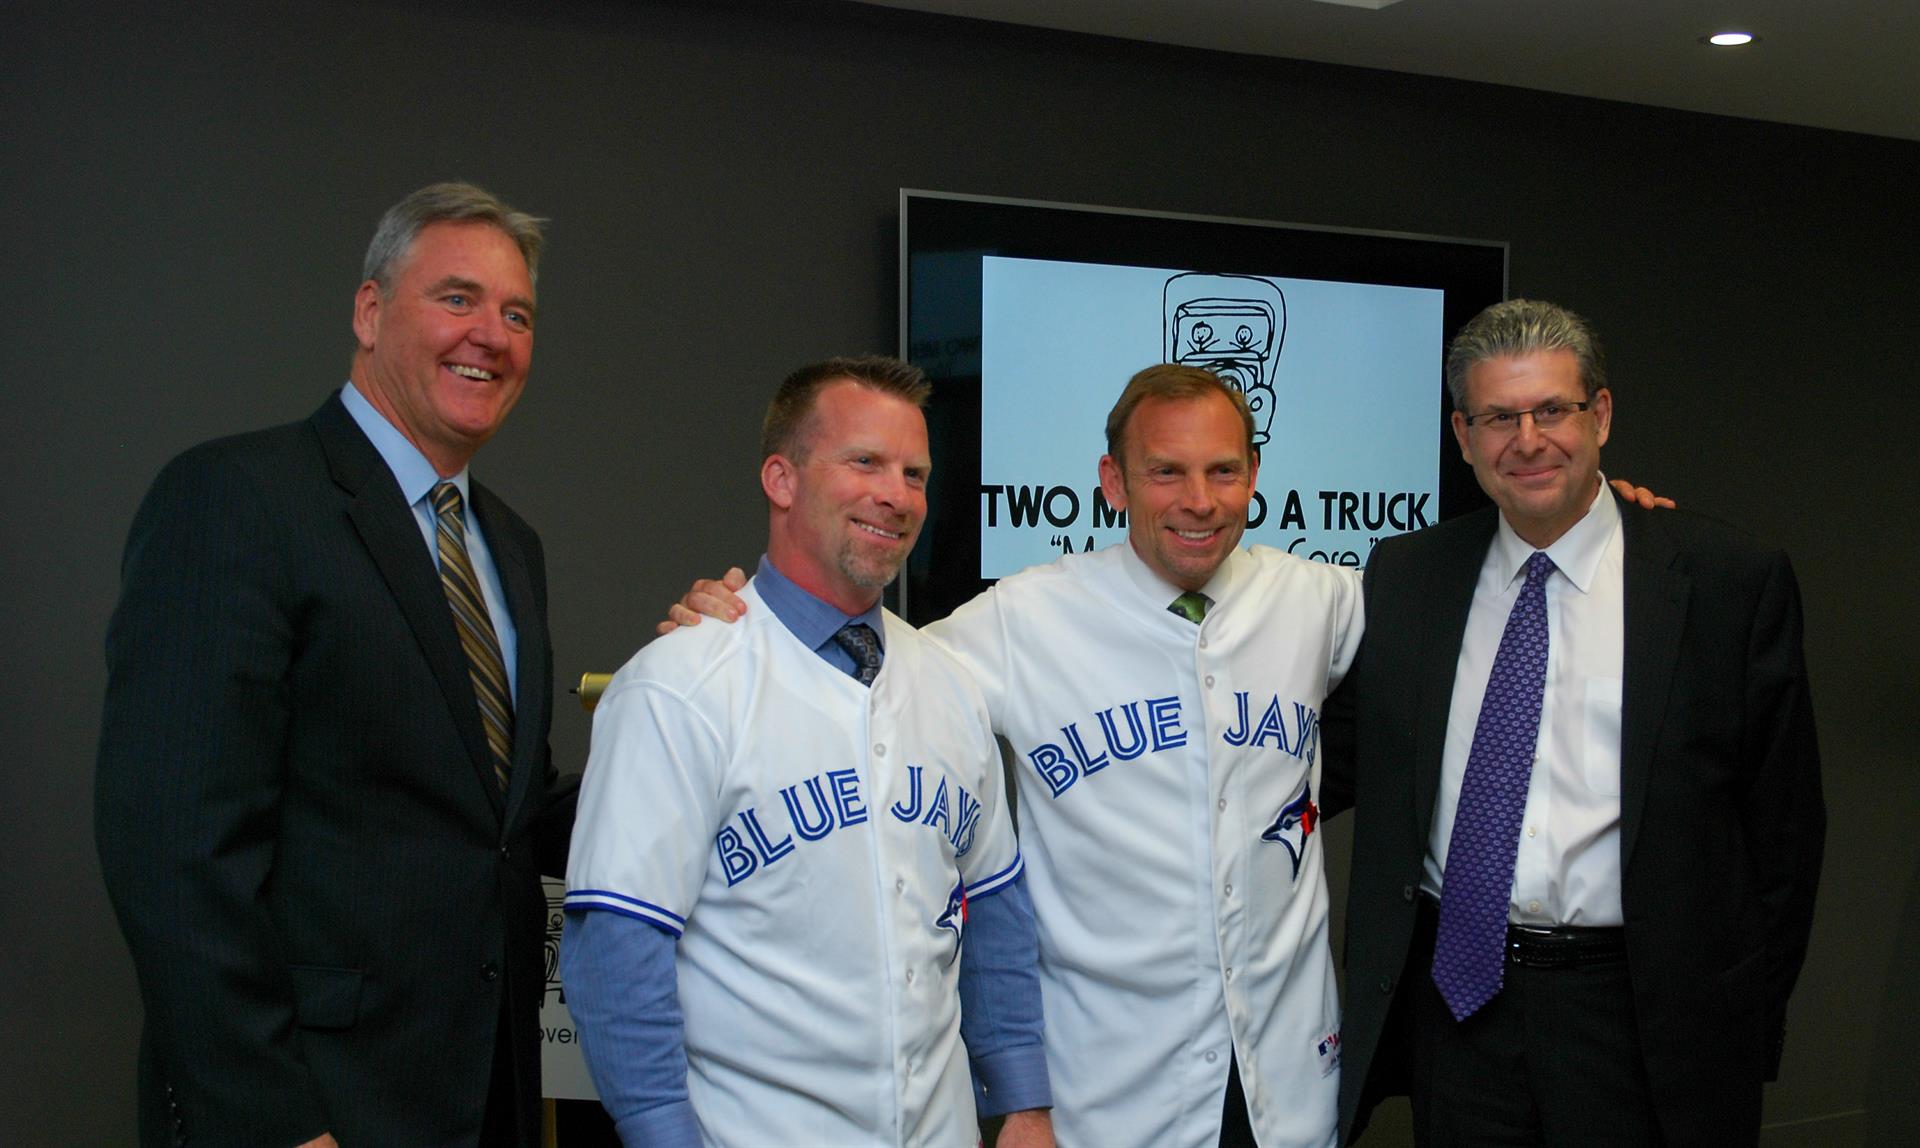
x,y
1113,483
366,314
1460,429
778,475
1602,414
1253,470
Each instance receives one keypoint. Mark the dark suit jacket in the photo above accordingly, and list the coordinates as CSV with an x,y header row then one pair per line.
x,y
1722,822
324,891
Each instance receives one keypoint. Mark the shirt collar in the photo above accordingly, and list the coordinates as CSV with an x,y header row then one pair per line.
x,y
410,468
809,619
1162,592
1576,554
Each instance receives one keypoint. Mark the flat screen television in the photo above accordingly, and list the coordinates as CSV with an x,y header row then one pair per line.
x,y
1029,317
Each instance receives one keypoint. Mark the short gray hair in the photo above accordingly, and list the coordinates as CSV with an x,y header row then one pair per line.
x,y
1522,327
447,203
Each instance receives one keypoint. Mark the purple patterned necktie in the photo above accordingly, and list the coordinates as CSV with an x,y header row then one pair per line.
x,y
1469,951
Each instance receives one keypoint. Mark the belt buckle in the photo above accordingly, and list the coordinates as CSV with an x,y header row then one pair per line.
x,y
1518,952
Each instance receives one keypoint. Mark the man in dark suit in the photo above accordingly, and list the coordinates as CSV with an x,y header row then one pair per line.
x,y
1586,787
325,797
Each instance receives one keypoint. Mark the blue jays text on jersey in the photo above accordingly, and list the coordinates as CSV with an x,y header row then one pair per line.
x,y
1154,724
832,801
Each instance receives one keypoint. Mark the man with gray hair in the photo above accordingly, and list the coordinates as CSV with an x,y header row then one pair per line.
x,y
324,795
1581,749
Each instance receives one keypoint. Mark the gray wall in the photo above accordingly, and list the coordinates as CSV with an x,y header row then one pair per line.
x,y
191,187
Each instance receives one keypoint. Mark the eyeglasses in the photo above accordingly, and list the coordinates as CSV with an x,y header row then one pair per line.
x,y
1544,417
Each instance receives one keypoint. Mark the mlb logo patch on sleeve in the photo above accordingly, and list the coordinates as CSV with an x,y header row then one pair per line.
x,y
1328,1050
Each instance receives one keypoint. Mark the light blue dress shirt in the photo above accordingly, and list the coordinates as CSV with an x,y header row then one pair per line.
x,y
417,478
813,621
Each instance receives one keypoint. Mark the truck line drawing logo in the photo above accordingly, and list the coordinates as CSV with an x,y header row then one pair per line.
x,y
1232,325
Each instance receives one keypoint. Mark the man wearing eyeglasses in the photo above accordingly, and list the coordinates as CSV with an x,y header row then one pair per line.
x,y
1587,799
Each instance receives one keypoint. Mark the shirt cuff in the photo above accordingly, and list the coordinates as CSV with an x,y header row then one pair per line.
x,y
1011,1080
668,1126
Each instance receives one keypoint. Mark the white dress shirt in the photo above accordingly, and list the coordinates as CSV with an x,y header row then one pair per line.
x,y
1567,871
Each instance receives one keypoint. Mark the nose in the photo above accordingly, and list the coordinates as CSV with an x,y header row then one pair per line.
x,y
1195,493
894,491
489,330
1527,436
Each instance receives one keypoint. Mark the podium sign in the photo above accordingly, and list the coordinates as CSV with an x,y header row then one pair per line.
x,y
563,1069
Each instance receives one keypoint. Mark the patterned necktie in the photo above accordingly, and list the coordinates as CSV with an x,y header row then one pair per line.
x,y
863,646
1469,951
1191,605
484,664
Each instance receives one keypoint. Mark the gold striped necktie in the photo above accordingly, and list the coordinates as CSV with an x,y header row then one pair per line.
x,y
484,664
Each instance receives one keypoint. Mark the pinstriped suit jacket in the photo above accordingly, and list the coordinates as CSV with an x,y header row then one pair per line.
x,y
330,904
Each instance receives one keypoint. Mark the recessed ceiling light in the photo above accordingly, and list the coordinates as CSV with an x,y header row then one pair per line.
x,y
1730,39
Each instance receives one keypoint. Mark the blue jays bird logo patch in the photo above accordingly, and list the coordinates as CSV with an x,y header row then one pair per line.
x,y
1294,825
955,918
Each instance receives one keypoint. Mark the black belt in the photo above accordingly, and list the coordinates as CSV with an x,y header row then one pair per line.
x,y
1564,946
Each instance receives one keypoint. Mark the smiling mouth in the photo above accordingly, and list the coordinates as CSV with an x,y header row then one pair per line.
x,y
877,532
467,372
1194,535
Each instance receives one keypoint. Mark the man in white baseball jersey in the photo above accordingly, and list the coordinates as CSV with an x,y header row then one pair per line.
x,y
1162,699
799,817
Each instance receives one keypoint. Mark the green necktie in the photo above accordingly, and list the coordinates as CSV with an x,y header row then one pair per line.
x,y
1191,606
484,664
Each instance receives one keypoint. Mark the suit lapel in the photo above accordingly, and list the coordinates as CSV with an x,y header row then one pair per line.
x,y
529,622
1454,571
392,536
1655,595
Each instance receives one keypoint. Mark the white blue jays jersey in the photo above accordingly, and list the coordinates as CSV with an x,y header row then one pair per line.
x,y
1167,778
811,841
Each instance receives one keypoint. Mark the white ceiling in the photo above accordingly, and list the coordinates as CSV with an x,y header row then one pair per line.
x,y
1844,64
